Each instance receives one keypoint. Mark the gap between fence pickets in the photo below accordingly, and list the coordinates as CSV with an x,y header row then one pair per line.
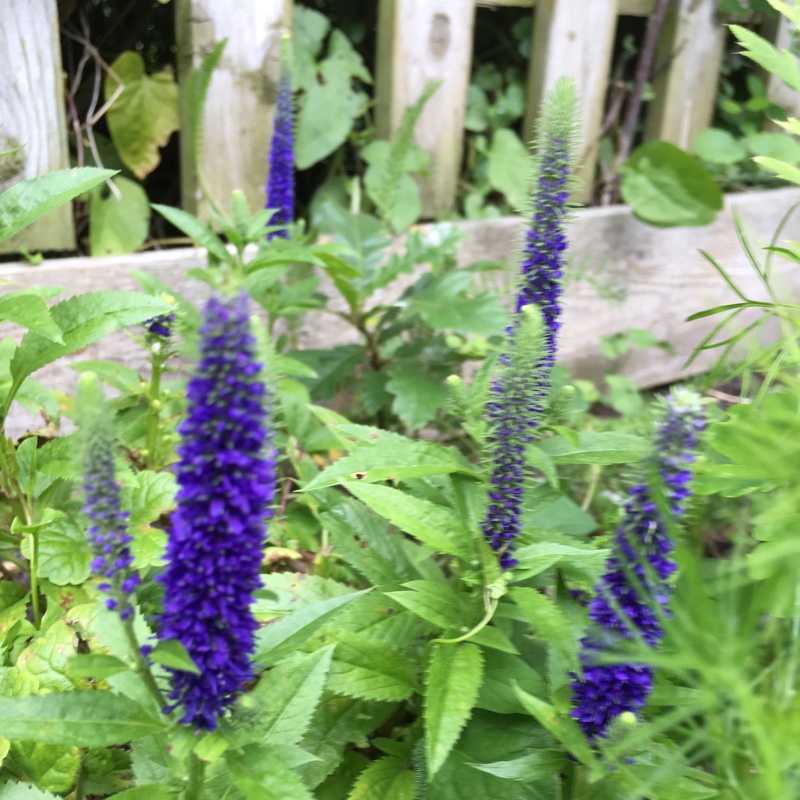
x,y
664,278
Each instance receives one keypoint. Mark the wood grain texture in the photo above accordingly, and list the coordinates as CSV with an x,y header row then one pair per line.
x,y
686,72
32,113
574,40
241,98
421,41
633,8
663,277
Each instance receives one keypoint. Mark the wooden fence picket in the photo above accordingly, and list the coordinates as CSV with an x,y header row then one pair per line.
x,y
574,40
32,114
240,104
421,41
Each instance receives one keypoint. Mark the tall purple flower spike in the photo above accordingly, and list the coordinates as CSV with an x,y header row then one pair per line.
x,y
280,182
519,395
633,594
227,477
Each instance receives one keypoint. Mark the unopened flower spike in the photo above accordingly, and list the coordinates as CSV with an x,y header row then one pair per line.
x,y
280,182
545,244
633,594
227,475
515,408
519,394
108,532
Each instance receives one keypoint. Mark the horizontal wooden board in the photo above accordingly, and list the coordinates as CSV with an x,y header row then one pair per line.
x,y
660,272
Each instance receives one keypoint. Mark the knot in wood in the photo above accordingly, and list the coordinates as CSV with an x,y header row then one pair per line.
x,y
439,38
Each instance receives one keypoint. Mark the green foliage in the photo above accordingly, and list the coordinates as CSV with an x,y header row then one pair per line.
x,y
667,187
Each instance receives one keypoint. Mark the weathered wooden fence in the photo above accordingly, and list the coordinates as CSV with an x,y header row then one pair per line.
x,y
419,41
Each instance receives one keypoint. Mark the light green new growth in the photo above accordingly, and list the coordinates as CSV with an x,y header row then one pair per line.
x,y
386,190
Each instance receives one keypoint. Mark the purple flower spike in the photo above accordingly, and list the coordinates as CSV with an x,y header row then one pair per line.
x,y
108,531
227,482
632,596
280,182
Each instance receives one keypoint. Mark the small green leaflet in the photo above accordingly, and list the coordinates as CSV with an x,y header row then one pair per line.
x,y
452,684
30,311
172,654
606,447
95,665
535,766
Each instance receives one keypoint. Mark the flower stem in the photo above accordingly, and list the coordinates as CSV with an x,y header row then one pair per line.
x,y
37,614
154,409
140,665
194,788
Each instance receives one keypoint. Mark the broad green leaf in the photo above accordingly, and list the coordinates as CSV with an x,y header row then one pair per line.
x,y
51,767
309,29
119,376
259,778
280,708
431,524
501,671
28,200
64,554
587,562
719,147
196,230
665,186
452,684
491,738
118,224
769,144
80,719
279,638
46,657
31,312
418,396
152,499
530,768
662,783
95,665
340,782
82,319
509,166
144,116
564,515
370,670
386,779
607,447
337,722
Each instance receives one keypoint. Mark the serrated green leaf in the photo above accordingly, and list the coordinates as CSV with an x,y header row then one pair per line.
x,y
280,708
534,559
30,311
779,62
605,447
51,767
95,665
529,768
547,621
196,230
280,638
259,778
417,396
452,684
80,719
386,779
370,670
787,172
46,656
64,554
144,116
82,319
28,200
434,602
152,791
500,671
391,459
24,791
432,524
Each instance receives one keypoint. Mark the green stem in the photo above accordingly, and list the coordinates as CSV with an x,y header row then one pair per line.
x,y
194,788
491,607
154,409
80,783
140,665
37,615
